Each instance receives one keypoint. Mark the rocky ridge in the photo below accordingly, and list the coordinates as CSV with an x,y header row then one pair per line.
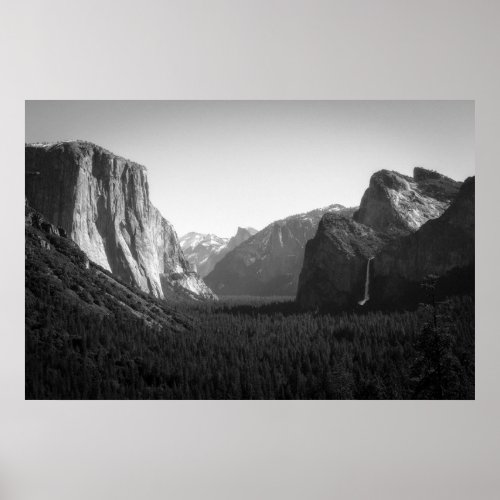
x,y
396,203
270,261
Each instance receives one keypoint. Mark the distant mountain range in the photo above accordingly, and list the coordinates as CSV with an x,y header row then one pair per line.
x,y
203,251
270,261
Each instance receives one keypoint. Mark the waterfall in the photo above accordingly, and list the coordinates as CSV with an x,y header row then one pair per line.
x,y
367,284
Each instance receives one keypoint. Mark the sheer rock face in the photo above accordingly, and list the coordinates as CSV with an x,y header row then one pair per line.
x,y
335,263
393,207
57,261
203,251
270,261
398,204
102,202
439,247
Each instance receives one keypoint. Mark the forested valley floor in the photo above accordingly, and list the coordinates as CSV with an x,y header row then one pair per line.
x,y
233,350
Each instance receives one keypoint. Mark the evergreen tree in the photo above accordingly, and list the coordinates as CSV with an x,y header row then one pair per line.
x,y
436,369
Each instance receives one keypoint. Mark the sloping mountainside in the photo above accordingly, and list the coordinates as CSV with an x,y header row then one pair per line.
x,y
102,202
394,206
269,262
443,247
68,299
395,203
203,251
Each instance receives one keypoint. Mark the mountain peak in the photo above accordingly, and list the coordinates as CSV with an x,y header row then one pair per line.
x,y
390,179
245,230
203,251
395,202
269,262
424,174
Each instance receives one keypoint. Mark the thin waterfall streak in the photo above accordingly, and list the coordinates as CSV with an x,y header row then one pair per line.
x,y
367,284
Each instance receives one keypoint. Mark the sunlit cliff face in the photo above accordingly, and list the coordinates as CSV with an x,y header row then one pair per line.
x,y
102,201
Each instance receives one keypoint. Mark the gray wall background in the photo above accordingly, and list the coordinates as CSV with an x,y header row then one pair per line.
x,y
379,49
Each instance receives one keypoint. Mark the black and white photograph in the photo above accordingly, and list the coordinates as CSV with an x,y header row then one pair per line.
x,y
249,250
260,250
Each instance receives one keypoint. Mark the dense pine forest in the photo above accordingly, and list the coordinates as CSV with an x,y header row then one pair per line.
x,y
253,353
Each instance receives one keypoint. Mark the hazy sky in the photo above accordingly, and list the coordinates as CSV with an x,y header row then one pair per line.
x,y
216,165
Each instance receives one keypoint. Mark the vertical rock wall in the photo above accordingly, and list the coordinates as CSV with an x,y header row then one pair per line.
x,y
102,201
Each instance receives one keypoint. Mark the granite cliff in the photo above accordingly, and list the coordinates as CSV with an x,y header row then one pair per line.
x,y
396,203
335,262
393,207
443,247
58,272
102,202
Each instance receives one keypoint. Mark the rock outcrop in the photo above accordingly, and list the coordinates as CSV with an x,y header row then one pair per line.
x,y
102,201
393,207
42,229
443,247
203,251
270,261
396,203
